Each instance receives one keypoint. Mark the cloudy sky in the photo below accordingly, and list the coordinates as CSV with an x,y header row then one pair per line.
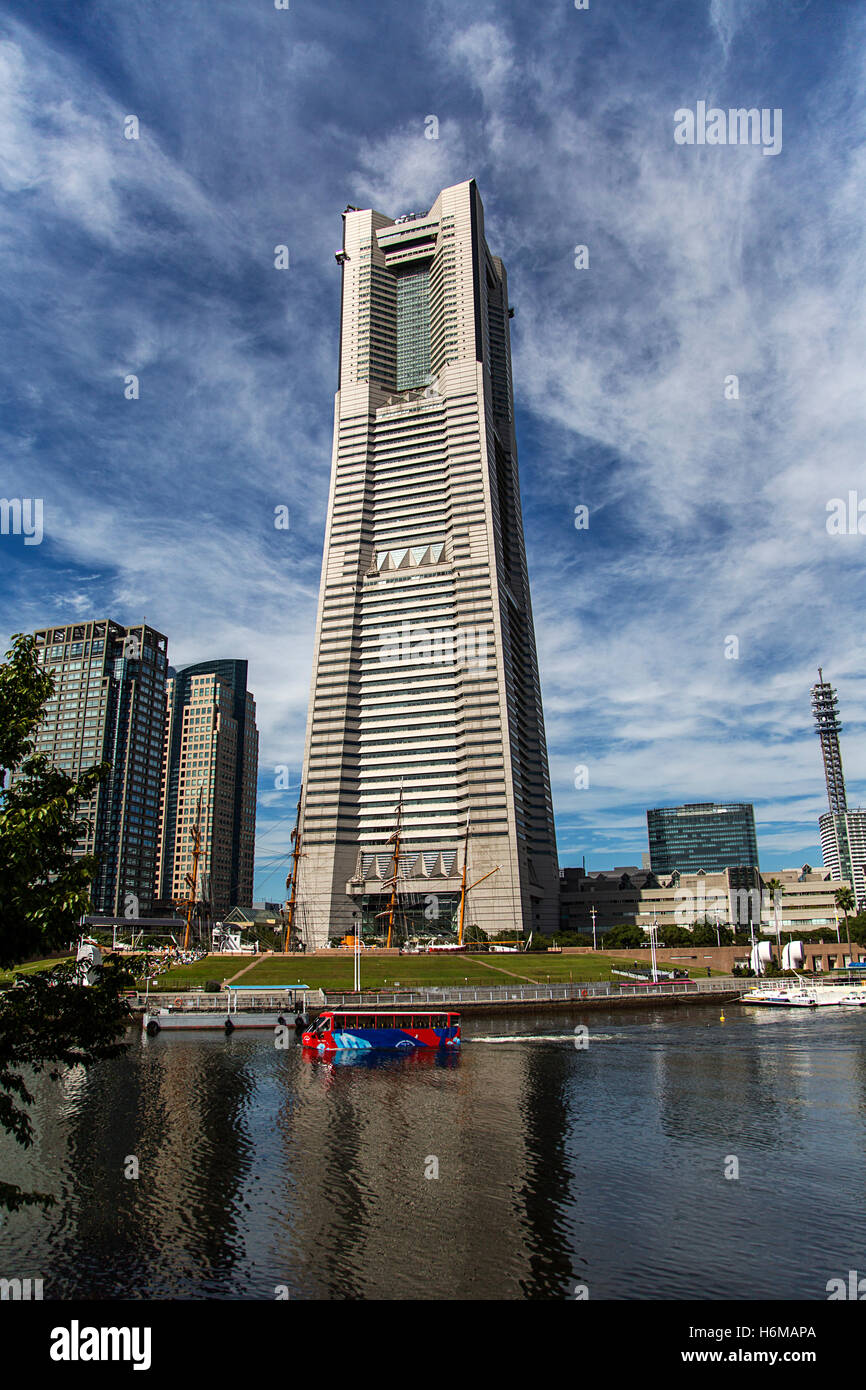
x,y
708,511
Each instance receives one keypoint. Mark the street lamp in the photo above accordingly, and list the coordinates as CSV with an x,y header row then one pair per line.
x,y
653,930
594,914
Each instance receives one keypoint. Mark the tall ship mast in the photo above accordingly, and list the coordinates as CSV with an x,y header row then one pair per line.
x,y
393,905
189,902
464,890
294,911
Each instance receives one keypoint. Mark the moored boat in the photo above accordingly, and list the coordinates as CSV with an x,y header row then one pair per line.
x,y
779,997
805,994
172,1021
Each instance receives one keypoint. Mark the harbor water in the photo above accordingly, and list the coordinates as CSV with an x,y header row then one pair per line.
x,y
658,1154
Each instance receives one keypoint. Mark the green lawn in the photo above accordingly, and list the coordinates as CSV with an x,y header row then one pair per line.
x,y
377,972
6,976
191,976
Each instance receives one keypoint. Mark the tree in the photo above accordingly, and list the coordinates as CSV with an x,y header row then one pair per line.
x,y
706,933
43,889
846,902
46,1018
624,937
675,936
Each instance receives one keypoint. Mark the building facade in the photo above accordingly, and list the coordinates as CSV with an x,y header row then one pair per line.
x,y
108,706
843,849
740,899
736,897
210,759
702,835
611,896
425,700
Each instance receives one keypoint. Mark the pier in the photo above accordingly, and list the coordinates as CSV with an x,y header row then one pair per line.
x,y
467,999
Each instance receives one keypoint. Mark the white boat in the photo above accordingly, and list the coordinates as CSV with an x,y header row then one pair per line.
x,y
779,997
803,994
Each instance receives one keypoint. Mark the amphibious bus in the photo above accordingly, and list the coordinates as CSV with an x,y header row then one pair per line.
x,y
404,1029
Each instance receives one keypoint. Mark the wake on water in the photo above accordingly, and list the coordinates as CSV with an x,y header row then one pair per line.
x,y
539,1037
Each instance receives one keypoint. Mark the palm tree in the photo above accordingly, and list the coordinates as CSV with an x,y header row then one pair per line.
x,y
844,899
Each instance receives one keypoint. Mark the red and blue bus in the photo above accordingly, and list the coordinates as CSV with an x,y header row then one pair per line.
x,y
362,1029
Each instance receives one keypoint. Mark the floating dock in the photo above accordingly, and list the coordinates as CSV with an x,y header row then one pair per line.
x,y
171,1021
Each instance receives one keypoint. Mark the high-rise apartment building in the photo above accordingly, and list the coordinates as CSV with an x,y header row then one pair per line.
x,y
425,688
109,706
210,751
842,832
702,835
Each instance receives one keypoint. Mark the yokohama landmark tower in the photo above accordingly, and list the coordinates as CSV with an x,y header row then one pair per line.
x,y
425,710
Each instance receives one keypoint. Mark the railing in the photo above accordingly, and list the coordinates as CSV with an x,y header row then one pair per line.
x,y
200,1002
502,994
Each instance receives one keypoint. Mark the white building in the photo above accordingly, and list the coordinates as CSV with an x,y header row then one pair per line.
x,y
425,675
843,848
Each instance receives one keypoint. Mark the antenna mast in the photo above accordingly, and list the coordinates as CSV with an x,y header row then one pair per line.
x,y
827,726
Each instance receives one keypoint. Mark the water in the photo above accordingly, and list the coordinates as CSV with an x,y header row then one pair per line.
x,y
263,1169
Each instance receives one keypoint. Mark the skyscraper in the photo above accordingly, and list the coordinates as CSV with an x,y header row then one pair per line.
x,y
842,832
109,706
702,835
425,691
211,750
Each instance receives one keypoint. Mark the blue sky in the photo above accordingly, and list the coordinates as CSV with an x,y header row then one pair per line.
x,y
708,517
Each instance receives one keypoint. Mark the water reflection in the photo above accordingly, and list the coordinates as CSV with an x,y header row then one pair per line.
x,y
417,1060
512,1169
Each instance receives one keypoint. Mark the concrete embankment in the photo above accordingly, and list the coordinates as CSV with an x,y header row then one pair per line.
x,y
598,1001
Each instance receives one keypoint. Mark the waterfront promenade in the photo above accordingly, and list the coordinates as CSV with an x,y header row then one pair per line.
x,y
468,998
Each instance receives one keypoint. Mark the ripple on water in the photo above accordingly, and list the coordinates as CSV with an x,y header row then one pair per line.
x,y
510,1171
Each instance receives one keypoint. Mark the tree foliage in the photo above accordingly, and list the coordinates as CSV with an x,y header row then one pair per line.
x,y
47,1020
43,889
625,937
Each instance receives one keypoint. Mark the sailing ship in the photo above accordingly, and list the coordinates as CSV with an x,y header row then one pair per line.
x,y
297,936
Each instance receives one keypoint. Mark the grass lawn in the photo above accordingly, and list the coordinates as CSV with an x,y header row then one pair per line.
x,y
191,976
381,972
378,972
7,976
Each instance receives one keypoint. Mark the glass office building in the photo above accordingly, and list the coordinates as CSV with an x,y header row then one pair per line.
x,y
702,835
211,751
109,706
